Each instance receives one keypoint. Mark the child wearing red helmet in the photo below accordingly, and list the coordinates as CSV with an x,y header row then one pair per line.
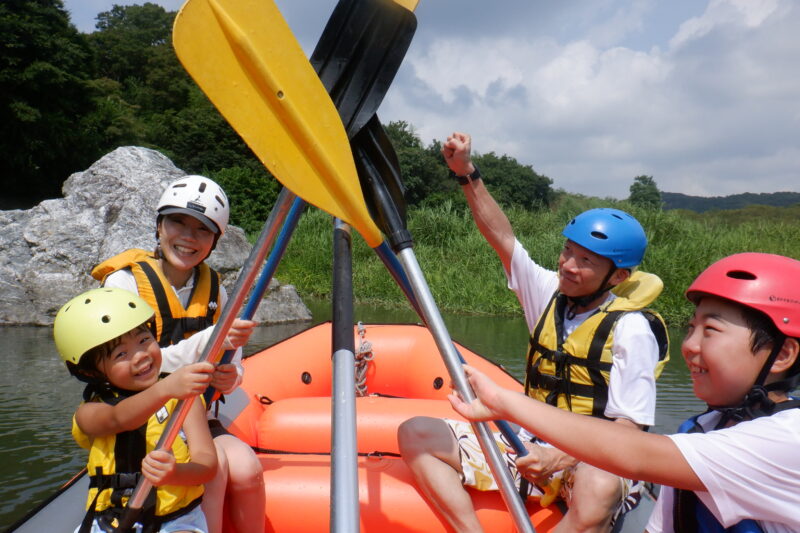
x,y
734,466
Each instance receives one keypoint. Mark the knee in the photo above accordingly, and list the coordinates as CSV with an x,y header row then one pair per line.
x,y
244,467
596,495
419,434
222,458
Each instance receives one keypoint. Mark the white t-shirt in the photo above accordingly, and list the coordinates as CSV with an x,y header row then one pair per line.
x,y
751,470
632,382
186,351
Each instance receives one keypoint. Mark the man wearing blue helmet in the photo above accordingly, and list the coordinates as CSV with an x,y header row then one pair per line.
x,y
595,349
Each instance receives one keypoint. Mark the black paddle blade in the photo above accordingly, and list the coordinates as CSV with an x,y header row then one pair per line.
x,y
381,183
358,55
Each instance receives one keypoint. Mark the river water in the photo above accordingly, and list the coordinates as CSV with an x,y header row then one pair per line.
x,y
38,397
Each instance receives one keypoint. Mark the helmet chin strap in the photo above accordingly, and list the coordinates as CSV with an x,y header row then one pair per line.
x,y
581,301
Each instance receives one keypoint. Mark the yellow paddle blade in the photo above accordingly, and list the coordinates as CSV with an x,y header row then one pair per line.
x,y
245,58
411,5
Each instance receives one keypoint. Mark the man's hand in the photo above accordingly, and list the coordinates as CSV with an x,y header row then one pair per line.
x,y
456,152
542,462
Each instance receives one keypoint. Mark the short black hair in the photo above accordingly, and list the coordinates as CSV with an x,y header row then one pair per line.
x,y
765,334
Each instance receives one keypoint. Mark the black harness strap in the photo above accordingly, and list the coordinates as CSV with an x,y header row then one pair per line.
x,y
535,335
599,383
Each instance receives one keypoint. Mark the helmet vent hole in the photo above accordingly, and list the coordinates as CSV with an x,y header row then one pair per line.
x,y
741,274
87,301
179,185
132,305
106,319
598,235
616,216
218,199
203,187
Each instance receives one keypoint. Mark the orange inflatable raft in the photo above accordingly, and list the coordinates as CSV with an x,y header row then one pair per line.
x,y
283,410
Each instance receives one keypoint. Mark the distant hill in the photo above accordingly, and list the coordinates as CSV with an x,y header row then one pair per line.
x,y
701,204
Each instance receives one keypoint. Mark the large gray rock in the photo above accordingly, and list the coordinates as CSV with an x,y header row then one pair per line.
x,y
47,252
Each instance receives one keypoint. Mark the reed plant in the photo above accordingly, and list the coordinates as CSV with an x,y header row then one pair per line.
x,y
465,275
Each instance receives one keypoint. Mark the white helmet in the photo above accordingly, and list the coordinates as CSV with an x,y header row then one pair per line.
x,y
199,197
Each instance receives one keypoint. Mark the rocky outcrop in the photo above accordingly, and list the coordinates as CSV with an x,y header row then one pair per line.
x,y
47,252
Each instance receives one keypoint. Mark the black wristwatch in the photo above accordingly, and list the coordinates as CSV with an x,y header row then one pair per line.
x,y
475,175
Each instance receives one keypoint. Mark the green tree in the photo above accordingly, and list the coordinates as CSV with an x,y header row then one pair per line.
x,y
126,37
423,170
645,193
44,69
514,184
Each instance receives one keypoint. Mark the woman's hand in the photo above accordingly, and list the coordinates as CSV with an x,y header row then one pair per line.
x,y
239,333
224,377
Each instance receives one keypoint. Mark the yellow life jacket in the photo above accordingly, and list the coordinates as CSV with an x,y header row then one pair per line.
x,y
572,373
173,322
115,464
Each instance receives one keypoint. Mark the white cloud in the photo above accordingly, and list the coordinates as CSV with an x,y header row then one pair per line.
x,y
715,112
721,13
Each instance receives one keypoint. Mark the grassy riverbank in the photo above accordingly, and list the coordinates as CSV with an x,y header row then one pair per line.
x,y
465,275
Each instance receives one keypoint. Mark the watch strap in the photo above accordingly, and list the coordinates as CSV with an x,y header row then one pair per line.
x,y
475,175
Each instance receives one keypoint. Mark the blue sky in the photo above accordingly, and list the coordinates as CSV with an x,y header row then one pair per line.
x,y
702,95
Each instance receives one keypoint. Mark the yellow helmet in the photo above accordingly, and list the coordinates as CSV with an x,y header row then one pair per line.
x,y
95,317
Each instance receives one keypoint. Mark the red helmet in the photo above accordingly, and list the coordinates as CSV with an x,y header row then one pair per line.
x,y
766,282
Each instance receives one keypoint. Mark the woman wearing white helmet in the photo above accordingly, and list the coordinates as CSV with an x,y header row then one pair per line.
x,y
188,297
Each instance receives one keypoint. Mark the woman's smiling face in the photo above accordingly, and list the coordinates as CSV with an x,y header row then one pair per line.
x,y
717,350
185,241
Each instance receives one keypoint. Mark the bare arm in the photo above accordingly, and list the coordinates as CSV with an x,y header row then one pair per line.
x,y
490,219
99,418
615,447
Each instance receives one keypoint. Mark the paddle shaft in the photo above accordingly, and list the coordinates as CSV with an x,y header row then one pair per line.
x,y
267,273
213,347
396,270
435,324
344,450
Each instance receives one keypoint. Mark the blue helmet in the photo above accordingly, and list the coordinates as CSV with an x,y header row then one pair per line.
x,y
611,233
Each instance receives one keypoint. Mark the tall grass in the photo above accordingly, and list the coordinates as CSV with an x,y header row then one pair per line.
x,y
466,276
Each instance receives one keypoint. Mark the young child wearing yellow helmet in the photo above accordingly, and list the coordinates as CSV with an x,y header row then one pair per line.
x,y
104,337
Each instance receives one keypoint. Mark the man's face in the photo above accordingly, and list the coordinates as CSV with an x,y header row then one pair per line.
x,y
580,271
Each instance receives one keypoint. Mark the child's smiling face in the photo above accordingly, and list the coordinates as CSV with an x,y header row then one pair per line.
x,y
134,364
717,350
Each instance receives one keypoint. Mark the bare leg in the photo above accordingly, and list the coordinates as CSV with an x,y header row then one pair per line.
x,y
245,487
595,496
431,452
214,496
